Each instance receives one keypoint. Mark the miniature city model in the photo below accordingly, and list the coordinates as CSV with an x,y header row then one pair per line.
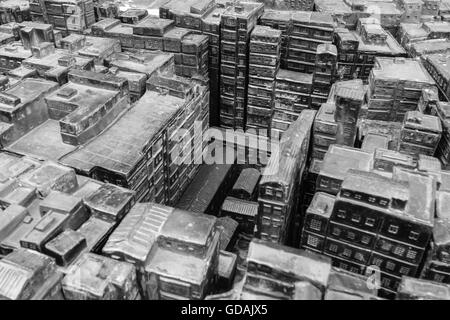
x,y
214,149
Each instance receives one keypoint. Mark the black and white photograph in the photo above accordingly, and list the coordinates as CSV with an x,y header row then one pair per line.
x,y
224,153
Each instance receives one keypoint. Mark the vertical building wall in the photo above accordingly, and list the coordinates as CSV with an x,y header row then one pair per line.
x,y
237,23
264,59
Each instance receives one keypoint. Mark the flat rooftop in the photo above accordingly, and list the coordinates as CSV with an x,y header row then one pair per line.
x,y
414,30
145,62
96,45
339,160
177,265
431,46
300,264
189,227
27,90
88,99
373,184
119,148
138,231
441,61
333,6
438,26
390,47
51,60
422,195
313,18
15,50
247,9
401,69
44,142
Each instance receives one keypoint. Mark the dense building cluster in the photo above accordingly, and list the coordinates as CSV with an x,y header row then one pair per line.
x,y
212,149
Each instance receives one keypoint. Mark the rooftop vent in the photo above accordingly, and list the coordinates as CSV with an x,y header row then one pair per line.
x,y
67,93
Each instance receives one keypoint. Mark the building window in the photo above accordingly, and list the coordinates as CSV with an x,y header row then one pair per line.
x,y
404,270
335,184
277,210
324,182
386,246
336,232
347,253
343,266
351,235
411,254
390,265
359,256
341,214
354,269
438,277
399,251
365,240
269,191
316,224
414,236
377,261
393,229
356,218
313,241
333,247
370,222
